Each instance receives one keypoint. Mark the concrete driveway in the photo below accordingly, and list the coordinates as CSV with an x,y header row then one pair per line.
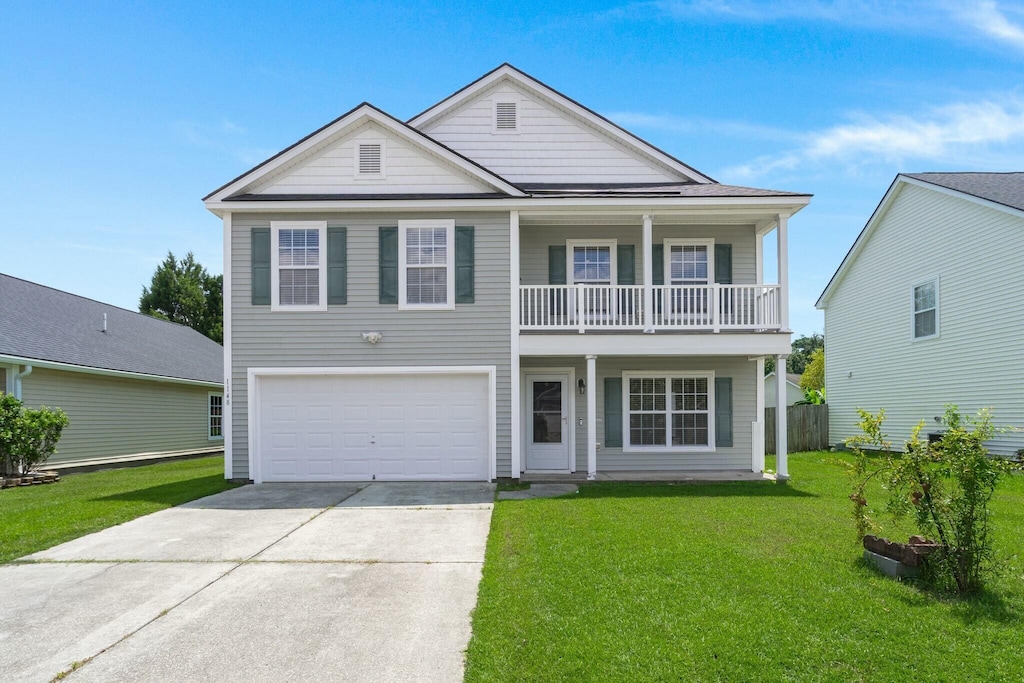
x,y
331,582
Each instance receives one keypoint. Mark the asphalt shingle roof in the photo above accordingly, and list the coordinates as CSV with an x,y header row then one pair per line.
x,y
41,323
1003,188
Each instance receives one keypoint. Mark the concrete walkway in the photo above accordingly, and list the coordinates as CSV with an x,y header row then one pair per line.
x,y
332,582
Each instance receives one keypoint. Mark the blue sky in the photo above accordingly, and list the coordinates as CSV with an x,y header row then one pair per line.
x,y
117,119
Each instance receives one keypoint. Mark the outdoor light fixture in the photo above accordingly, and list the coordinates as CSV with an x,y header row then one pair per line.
x,y
372,337
582,385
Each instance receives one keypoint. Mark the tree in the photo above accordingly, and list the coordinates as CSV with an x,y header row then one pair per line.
x,y
183,292
803,350
814,376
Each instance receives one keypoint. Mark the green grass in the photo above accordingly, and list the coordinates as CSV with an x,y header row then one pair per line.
x,y
34,518
728,582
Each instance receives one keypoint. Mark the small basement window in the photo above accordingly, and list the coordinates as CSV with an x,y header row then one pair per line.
x,y
370,159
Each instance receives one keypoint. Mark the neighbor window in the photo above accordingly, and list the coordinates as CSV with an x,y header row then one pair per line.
x,y
670,412
926,310
216,416
298,266
426,267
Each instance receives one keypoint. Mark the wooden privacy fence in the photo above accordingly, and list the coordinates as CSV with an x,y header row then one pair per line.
x,y
807,428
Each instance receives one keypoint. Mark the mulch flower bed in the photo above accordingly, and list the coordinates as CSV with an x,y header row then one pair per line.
x,y
9,481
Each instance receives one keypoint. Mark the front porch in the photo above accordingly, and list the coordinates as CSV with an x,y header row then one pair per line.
x,y
641,475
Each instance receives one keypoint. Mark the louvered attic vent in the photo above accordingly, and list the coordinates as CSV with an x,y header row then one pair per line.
x,y
370,159
505,116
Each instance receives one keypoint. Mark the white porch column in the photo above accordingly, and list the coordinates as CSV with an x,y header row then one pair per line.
x,y
648,241
591,417
781,445
514,378
227,407
783,275
758,426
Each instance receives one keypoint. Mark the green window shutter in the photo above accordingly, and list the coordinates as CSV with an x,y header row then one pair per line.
x,y
613,412
723,411
556,265
723,264
658,263
388,265
627,264
260,266
465,264
337,265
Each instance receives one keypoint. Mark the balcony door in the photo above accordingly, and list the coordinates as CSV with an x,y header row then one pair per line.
x,y
690,268
593,262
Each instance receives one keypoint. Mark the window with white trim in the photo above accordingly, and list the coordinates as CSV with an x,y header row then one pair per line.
x,y
668,411
926,310
298,265
216,416
370,161
689,268
426,264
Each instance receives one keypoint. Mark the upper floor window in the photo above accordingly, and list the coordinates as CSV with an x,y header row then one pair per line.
x,y
370,159
926,310
426,264
298,265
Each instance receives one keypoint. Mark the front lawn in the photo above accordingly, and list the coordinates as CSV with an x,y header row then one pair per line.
x,y
728,581
33,518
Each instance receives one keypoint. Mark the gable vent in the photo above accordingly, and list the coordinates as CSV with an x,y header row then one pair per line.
x,y
370,158
505,116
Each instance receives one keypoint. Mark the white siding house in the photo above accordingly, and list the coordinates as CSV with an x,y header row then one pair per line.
x,y
793,391
507,284
927,309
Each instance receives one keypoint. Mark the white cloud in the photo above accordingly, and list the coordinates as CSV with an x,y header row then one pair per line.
x,y
968,133
986,18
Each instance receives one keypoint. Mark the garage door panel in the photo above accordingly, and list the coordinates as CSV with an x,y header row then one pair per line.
x,y
388,427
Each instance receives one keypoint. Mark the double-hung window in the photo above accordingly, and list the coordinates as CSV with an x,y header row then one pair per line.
x,y
926,310
298,265
690,269
593,262
426,264
215,421
669,411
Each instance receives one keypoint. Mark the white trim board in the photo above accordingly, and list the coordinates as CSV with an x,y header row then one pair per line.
x,y
70,367
226,421
254,374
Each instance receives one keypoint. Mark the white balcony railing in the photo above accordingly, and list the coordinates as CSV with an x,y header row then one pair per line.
x,y
674,307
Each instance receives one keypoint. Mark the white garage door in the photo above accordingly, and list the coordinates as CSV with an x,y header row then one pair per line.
x,y
364,427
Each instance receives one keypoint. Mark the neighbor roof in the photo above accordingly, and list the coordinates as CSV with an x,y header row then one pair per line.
x,y
1004,191
46,324
1002,188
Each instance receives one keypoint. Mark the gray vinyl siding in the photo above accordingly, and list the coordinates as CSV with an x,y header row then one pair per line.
x,y
736,457
111,416
977,254
472,334
534,241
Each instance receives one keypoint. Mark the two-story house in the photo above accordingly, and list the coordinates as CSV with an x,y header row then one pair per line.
x,y
506,283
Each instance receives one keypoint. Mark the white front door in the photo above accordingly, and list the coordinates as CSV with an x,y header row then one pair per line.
x,y
547,422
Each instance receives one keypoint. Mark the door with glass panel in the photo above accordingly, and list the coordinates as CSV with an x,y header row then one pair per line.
x,y
547,422
592,265
689,272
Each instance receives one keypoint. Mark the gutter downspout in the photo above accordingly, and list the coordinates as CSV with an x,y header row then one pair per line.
x,y
17,380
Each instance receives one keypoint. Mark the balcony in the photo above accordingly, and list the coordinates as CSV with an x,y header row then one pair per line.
x,y
672,308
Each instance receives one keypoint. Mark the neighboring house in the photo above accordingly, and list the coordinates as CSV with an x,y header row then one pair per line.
x,y
133,387
927,308
506,283
793,391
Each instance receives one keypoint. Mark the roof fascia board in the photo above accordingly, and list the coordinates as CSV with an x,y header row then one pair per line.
x,y
614,130
85,369
942,189
347,120
788,205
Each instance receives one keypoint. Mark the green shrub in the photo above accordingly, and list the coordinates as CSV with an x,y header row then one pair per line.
x,y
28,436
945,487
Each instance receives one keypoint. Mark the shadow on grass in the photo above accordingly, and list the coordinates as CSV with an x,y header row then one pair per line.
x,y
173,493
980,607
646,489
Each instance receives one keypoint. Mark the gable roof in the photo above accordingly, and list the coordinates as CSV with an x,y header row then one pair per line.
x,y
791,378
521,78
1001,191
358,114
46,324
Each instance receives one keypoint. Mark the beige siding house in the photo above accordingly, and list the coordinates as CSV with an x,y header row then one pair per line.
x,y
926,309
133,387
506,285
